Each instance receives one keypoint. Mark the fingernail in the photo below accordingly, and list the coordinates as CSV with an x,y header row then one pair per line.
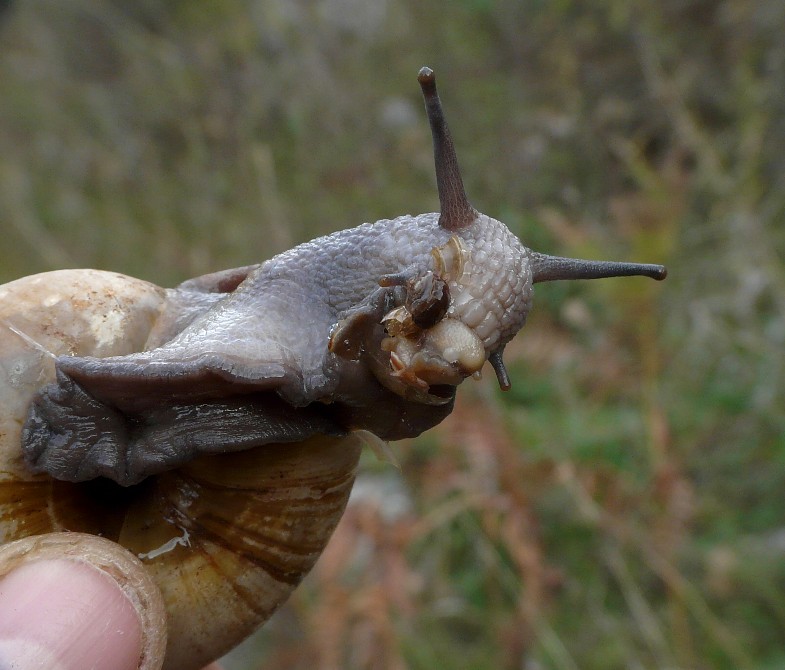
x,y
65,614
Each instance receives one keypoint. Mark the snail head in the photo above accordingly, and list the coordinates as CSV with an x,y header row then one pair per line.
x,y
476,295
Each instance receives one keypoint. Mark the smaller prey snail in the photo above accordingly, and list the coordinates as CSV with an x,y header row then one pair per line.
x,y
233,407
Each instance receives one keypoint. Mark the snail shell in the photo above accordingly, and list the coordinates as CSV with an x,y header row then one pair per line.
x,y
226,538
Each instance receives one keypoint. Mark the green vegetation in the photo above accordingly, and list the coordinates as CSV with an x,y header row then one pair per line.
x,y
623,506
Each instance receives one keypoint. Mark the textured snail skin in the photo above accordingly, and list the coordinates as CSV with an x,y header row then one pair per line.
x,y
225,538
253,366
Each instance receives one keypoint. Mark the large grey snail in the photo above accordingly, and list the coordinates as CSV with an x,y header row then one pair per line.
x,y
232,409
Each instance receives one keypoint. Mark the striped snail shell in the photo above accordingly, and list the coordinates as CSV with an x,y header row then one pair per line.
x,y
226,538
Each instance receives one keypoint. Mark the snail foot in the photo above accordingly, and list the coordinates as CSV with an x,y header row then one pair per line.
x,y
72,436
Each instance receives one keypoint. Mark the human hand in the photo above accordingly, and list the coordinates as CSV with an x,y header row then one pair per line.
x,y
70,601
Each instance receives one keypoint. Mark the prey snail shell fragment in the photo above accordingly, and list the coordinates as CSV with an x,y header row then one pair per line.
x,y
231,408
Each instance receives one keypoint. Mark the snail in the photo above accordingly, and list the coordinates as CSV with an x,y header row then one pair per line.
x,y
214,429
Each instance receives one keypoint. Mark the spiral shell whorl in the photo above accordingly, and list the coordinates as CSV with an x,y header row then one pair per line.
x,y
244,529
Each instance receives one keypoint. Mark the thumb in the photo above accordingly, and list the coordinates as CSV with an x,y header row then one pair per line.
x,y
70,601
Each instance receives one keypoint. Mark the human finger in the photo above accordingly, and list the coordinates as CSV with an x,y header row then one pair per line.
x,y
70,601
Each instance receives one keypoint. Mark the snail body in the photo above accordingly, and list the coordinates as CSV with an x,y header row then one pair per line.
x,y
217,426
238,348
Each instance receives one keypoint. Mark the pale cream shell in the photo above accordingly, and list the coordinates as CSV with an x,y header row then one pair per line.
x,y
225,538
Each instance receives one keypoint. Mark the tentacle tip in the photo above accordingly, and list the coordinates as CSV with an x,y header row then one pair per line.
x,y
427,80
660,273
425,76
495,359
386,281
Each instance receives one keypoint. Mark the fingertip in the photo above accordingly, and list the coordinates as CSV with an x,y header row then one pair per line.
x,y
70,601
67,613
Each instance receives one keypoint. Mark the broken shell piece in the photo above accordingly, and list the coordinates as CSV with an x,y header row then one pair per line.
x,y
399,321
427,299
451,258
381,448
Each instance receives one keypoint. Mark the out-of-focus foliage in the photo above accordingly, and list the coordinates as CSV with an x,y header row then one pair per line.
x,y
622,506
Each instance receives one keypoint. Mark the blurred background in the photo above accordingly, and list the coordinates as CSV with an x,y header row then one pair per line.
x,y
623,505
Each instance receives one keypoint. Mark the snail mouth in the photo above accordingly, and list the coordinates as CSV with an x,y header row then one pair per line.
x,y
444,391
